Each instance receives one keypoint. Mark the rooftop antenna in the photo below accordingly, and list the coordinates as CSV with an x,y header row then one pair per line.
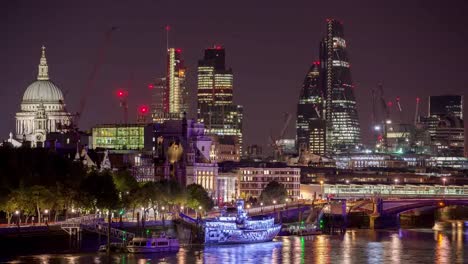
x,y
167,37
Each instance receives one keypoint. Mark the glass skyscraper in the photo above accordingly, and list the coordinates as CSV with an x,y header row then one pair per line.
x,y
310,126
215,92
170,96
343,131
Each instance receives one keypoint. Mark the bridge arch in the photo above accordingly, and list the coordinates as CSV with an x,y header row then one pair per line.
x,y
409,205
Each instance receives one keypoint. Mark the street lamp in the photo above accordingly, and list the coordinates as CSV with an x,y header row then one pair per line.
x,y
445,188
347,181
199,209
46,212
396,181
274,205
261,204
17,213
321,189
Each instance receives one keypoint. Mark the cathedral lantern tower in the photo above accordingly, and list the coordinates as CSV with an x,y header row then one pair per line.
x,y
42,108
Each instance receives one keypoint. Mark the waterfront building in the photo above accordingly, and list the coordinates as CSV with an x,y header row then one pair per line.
x,y
225,148
228,190
123,137
170,96
215,92
310,124
43,109
382,190
343,131
252,180
182,153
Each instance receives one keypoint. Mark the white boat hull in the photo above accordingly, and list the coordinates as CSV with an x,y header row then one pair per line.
x,y
133,249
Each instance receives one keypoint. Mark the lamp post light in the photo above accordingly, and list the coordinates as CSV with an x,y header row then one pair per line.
x,y
321,189
261,205
396,181
347,181
445,188
46,213
18,220
274,205
200,209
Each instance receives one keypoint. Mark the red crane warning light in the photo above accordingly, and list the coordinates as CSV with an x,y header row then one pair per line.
x,y
143,109
121,93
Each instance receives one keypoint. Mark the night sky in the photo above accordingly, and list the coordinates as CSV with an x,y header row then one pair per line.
x,y
416,48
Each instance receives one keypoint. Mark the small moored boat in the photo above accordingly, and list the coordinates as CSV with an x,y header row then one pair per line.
x,y
153,244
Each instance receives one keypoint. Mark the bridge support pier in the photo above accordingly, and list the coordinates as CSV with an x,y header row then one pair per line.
x,y
384,221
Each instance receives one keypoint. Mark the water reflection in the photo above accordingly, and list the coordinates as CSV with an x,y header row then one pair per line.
x,y
249,253
355,246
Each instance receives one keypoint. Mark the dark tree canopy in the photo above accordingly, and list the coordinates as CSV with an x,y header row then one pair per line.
x,y
100,190
274,191
197,196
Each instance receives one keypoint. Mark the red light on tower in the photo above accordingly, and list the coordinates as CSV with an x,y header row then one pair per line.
x,y
178,50
143,109
121,93
168,28
417,99
390,104
150,86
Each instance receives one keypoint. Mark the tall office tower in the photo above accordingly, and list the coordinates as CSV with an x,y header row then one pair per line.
x,y
170,97
343,131
443,105
310,126
445,124
215,92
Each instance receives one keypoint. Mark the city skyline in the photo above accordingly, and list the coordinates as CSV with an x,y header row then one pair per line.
x,y
280,81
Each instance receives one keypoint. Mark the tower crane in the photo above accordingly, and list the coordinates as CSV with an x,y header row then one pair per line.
x,y
92,77
277,147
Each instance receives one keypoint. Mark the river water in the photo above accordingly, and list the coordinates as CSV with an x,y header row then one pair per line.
x,y
355,246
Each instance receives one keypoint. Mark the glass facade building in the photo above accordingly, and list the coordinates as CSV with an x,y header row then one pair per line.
x,y
215,92
310,125
123,137
343,131
170,96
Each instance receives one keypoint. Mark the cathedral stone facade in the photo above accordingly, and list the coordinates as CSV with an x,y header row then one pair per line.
x,y
42,109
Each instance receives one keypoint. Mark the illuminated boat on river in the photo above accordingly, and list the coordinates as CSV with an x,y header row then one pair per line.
x,y
239,228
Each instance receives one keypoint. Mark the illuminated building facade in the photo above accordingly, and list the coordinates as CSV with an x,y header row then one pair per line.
x,y
225,148
215,92
227,187
343,131
445,125
310,126
253,180
123,137
182,153
170,96
43,109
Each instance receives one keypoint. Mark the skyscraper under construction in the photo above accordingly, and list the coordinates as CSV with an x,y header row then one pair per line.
x,y
343,131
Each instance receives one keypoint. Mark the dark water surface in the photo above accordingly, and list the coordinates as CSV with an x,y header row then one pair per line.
x,y
360,246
